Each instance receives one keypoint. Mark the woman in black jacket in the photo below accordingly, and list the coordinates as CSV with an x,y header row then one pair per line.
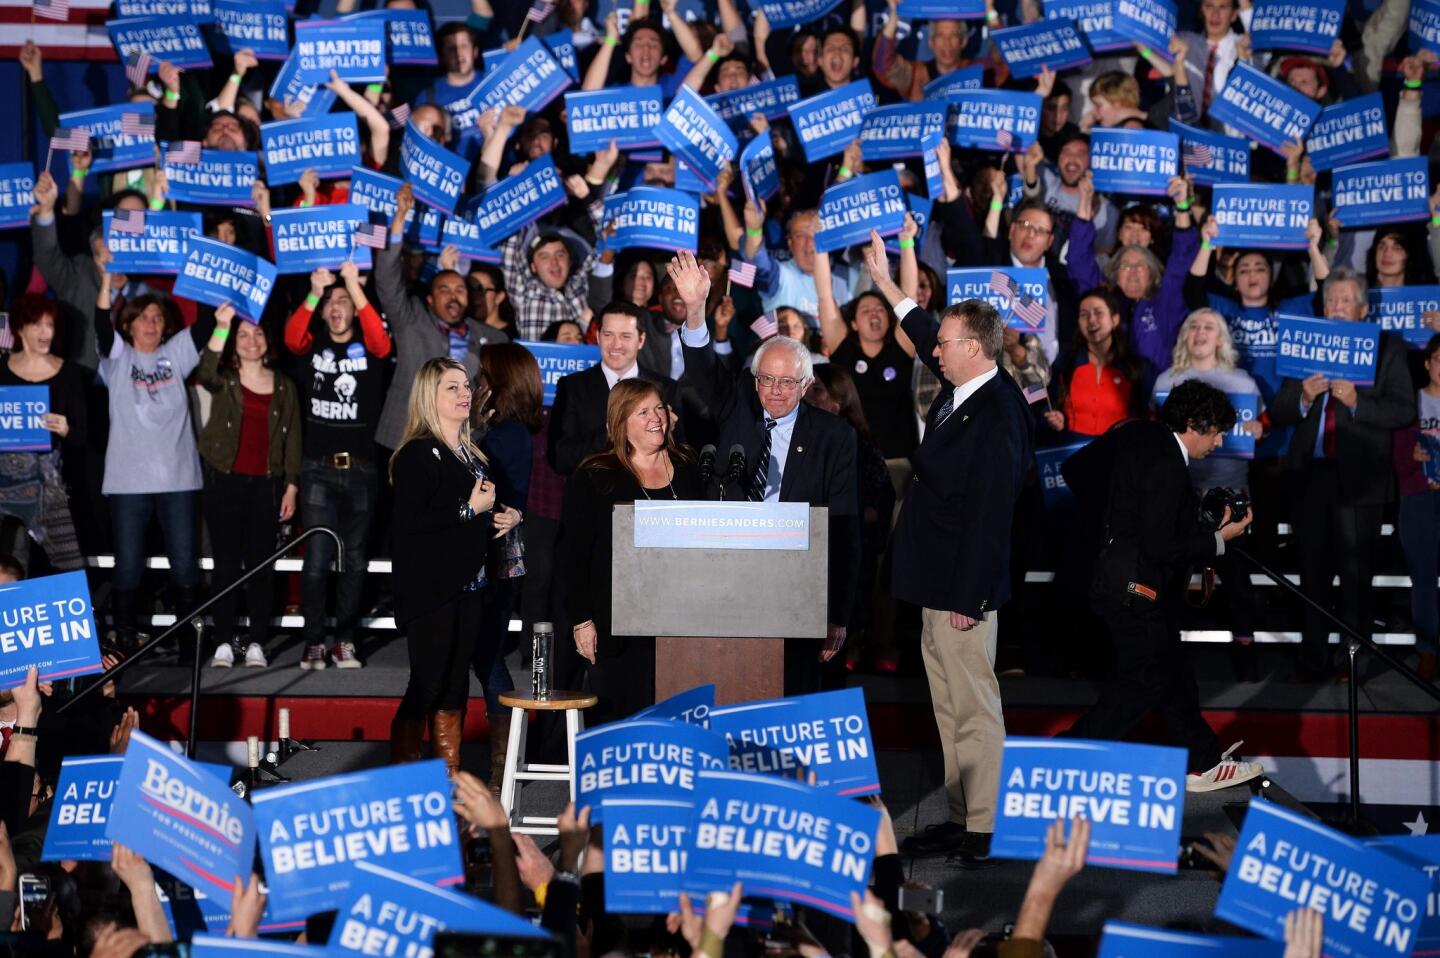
x,y
444,518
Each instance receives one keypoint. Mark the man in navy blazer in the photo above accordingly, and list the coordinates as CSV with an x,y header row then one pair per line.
x,y
951,550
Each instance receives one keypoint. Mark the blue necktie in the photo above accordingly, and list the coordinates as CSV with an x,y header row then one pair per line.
x,y
762,465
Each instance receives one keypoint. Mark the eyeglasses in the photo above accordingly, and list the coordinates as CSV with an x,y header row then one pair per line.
x,y
942,343
1034,228
786,383
1131,267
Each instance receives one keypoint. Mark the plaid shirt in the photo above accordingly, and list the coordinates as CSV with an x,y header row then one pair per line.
x,y
537,305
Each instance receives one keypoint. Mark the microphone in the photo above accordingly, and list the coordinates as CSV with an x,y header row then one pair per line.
x,y
735,471
707,463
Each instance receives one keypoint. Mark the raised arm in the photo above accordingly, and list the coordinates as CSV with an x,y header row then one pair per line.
x,y
918,326
832,326
682,31
375,121
599,67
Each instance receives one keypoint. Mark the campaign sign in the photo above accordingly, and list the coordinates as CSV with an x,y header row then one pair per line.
x,y
218,273
899,131
260,26
828,122
770,99
1262,215
560,359
530,77
947,84
692,706
851,209
1309,26
1121,939
919,208
81,810
759,174
1331,347
435,174
221,178
1052,43
22,418
160,249
47,622
789,13
654,217
189,911
199,9
1133,795
1267,110
219,946
408,37
329,145
110,149
642,758
376,192
353,49
1150,23
1139,162
827,734
942,9
1387,191
781,839
1212,157
181,818
1348,131
561,45
17,194
307,238
628,115
386,911
1238,444
1096,20
1425,25
697,136
517,201
465,235
1048,462
646,840
171,39
313,835
994,120
289,89
1423,852
1373,903
1401,310
963,284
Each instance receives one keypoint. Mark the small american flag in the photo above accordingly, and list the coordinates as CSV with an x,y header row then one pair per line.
x,y
372,235
137,68
399,116
52,10
76,138
1036,393
183,153
1029,309
1197,154
135,124
742,274
540,11
1002,284
7,338
128,221
765,327
1004,139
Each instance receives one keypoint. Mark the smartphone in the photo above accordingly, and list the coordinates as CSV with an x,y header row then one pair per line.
x,y
34,892
922,901
460,944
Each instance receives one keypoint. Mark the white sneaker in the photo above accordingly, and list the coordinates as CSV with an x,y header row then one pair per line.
x,y
255,656
224,656
1227,774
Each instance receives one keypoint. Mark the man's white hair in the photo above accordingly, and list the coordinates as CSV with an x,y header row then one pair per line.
x,y
800,353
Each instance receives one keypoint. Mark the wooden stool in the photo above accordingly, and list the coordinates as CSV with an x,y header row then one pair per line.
x,y
518,770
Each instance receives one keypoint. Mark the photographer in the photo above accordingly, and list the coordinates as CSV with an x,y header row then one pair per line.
x,y
1136,477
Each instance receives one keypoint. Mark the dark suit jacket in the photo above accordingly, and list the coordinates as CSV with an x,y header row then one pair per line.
x,y
436,552
952,541
577,418
819,467
1362,439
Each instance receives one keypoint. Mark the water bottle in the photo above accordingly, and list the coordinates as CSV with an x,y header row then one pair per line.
x,y
543,648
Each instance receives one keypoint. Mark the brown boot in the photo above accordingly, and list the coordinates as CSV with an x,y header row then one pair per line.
x,y
445,734
499,747
405,735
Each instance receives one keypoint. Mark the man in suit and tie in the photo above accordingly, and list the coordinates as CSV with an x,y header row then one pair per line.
x,y
794,452
577,418
951,551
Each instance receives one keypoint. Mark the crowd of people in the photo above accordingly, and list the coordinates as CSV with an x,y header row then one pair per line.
x,y
400,406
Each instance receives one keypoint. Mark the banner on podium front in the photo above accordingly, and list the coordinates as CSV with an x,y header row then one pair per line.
x,y
722,525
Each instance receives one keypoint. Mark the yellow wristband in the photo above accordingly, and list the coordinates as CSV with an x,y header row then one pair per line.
x,y
540,892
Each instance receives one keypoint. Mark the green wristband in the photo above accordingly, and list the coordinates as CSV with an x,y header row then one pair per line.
x,y
907,244
1144,52
1292,176
712,56
375,88
991,17
221,332
171,96
845,172
78,175
996,205
306,204
1206,245
311,301
1414,84
612,41
157,204
1435,220
1183,207
750,232
235,78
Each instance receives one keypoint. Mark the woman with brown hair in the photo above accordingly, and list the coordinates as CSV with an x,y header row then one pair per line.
x,y
643,462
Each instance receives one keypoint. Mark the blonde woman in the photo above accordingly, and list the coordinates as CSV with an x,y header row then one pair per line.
x,y
444,518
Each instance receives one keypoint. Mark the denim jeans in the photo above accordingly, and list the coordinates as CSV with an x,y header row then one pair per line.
x,y
344,500
130,514
1419,528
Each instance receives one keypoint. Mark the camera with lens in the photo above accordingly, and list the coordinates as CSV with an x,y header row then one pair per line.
x,y
1217,499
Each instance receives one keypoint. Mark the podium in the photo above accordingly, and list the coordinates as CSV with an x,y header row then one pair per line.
x,y
720,585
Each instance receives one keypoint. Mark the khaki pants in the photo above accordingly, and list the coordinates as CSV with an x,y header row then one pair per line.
x,y
966,696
